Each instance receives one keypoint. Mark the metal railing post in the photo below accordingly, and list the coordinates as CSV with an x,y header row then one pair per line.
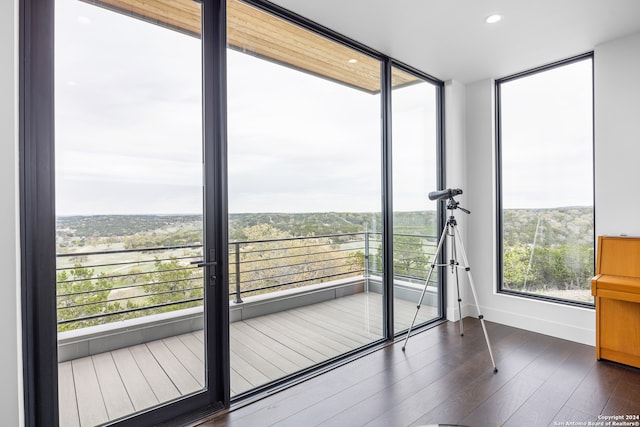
x,y
238,299
366,261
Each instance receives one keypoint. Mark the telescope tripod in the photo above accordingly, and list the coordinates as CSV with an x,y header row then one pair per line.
x,y
451,230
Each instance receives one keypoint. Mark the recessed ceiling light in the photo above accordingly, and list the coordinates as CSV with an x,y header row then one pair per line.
x,y
352,61
492,19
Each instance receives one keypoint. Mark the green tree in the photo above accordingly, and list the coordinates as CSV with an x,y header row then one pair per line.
x,y
81,294
409,257
173,281
518,274
550,268
272,257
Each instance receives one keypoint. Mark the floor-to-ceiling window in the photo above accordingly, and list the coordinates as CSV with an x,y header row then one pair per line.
x,y
546,182
415,218
305,197
304,144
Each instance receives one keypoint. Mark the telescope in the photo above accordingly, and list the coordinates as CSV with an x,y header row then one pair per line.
x,y
451,232
444,194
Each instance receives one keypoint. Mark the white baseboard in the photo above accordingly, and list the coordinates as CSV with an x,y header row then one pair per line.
x,y
552,327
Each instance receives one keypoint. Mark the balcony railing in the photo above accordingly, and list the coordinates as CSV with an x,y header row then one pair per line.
x,y
105,286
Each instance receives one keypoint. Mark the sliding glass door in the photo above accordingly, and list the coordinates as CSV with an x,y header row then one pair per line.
x,y
129,211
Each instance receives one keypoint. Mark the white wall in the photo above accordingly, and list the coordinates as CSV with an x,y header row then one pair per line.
x,y
617,130
10,354
617,176
456,177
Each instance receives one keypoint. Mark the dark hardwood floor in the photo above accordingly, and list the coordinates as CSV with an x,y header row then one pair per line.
x,y
443,378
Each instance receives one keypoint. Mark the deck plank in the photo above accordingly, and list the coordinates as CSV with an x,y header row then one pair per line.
x,y
312,333
67,395
350,318
238,383
365,311
326,328
194,344
349,334
114,393
281,356
255,359
91,409
350,325
253,374
160,383
139,389
282,337
180,376
187,358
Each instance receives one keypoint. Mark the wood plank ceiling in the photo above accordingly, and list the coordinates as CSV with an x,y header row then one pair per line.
x,y
258,33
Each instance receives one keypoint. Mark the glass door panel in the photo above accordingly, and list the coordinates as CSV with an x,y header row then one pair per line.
x,y
415,217
304,198
129,209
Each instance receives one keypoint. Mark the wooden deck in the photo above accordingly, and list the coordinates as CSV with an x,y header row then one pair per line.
x,y
110,385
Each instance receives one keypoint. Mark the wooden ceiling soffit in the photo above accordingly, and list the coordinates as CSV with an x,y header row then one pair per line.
x,y
261,34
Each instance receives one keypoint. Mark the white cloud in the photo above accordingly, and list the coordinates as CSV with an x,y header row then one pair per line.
x,y
129,128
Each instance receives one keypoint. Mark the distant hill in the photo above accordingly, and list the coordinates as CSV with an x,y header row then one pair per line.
x,y
121,225
171,230
128,231
554,226
323,223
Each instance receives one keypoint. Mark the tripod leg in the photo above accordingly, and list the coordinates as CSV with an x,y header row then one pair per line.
x,y
475,296
454,257
433,266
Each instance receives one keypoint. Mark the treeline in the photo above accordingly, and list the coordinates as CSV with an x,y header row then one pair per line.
x,y
572,225
303,224
324,223
88,226
132,231
552,227
144,231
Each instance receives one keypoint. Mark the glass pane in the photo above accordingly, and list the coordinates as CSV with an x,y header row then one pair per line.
x,y
547,183
129,211
415,221
304,198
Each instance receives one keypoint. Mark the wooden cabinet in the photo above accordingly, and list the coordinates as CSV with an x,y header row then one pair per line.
x,y
616,288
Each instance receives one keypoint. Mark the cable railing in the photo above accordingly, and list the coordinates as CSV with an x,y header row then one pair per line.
x,y
97,287
412,254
